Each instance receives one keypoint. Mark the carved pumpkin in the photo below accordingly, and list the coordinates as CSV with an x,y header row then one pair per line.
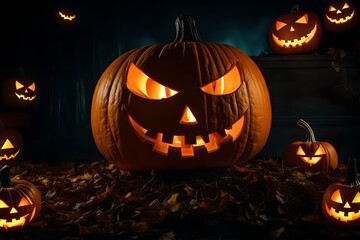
x,y
182,105
340,15
295,32
19,92
20,202
341,201
310,155
11,146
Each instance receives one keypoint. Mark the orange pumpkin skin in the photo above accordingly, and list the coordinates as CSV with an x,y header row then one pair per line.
x,y
295,32
310,155
184,66
340,15
20,202
341,201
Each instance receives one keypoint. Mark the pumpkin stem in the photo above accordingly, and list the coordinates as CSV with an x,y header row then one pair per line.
x,y
186,30
295,8
5,177
310,136
351,174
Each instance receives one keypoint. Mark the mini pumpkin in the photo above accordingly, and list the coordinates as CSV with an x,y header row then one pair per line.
x,y
20,202
310,155
295,32
340,15
341,201
11,145
182,105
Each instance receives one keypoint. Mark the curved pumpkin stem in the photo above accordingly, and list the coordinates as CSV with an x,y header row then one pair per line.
x,y
351,174
5,177
295,8
310,136
186,30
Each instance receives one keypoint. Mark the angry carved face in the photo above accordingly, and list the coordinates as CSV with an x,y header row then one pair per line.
x,y
340,15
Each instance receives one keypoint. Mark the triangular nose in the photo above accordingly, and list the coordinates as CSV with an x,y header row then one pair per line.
x,y
13,210
292,29
338,11
347,205
188,117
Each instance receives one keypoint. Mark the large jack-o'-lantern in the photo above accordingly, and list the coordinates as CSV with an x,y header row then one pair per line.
x,y
182,105
341,201
295,32
340,15
310,155
20,202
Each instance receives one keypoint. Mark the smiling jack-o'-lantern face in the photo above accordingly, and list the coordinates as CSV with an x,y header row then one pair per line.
x,y
308,155
25,90
296,32
340,16
183,105
190,136
20,202
344,204
10,145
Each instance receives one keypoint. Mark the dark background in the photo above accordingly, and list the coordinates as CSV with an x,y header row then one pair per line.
x,y
66,60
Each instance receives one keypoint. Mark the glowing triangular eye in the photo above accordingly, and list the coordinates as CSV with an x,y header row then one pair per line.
x,y
336,196
303,19
2,204
300,151
227,84
24,202
7,145
345,6
332,9
32,87
320,151
18,85
356,198
279,25
143,86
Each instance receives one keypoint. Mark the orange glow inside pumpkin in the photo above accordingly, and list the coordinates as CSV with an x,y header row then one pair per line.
x,y
338,11
294,42
311,160
32,87
18,221
8,145
342,215
188,117
178,142
67,17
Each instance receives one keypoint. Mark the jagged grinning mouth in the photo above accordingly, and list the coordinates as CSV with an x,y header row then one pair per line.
x,y
9,157
14,222
295,42
341,20
340,215
212,142
20,96
311,160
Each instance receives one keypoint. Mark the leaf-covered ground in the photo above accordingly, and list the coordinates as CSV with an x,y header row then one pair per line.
x,y
260,199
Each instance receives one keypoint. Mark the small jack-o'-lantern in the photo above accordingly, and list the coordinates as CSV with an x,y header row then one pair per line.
x,y
182,105
25,89
11,145
340,15
295,32
20,202
341,201
67,15
19,92
310,155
